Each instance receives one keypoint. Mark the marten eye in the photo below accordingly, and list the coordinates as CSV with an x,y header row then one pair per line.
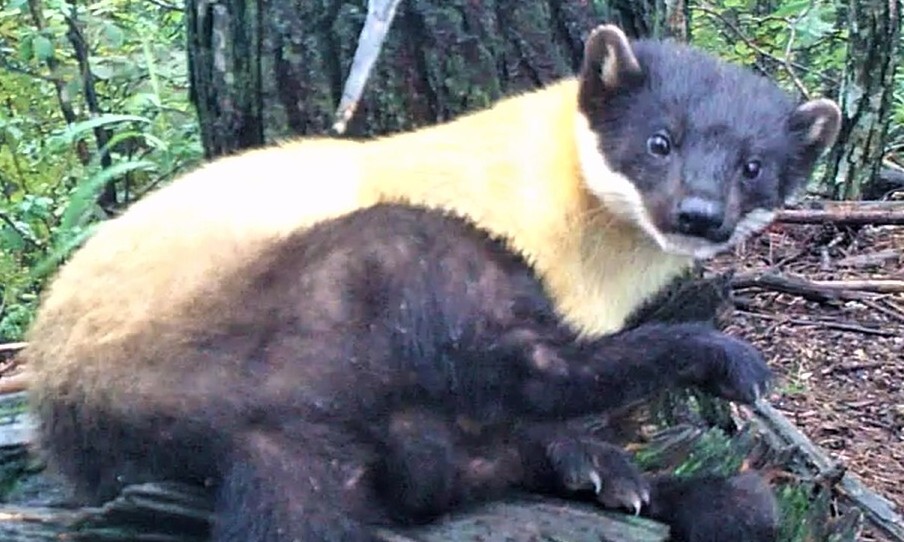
x,y
752,169
659,144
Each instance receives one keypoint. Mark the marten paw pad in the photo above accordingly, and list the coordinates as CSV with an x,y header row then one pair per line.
x,y
606,470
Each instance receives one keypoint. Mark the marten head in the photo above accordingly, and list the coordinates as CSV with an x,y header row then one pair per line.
x,y
696,152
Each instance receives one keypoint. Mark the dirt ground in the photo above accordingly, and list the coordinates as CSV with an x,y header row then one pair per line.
x,y
840,363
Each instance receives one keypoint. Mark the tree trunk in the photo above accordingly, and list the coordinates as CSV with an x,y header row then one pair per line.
x,y
654,18
865,96
272,69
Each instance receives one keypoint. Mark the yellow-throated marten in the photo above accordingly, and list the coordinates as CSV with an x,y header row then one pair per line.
x,y
320,389
610,183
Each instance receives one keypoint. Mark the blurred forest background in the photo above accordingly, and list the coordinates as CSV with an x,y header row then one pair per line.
x,y
101,101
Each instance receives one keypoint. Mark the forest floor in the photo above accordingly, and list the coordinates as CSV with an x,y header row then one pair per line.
x,y
840,363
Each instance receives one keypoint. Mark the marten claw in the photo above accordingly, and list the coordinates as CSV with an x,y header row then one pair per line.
x,y
597,482
587,464
636,506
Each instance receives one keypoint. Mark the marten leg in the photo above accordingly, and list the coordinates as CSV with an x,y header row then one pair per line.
x,y
418,473
432,464
289,486
740,508
553,376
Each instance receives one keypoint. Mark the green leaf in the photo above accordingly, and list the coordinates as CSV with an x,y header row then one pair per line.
x,y
43,47
77,128
794,7
812,26
11,240
70,241
102,71
17,4
114,34
82,200
152,140
26,48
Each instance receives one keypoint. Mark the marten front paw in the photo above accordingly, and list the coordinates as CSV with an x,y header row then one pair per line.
x,y
587,464
725,366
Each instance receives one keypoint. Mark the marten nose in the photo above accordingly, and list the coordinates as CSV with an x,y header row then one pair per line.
x,y
702,217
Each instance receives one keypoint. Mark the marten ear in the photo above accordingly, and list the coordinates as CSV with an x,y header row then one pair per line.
x,y
813,127
816,123
609,61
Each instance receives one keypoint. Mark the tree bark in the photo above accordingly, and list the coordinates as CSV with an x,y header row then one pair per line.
x,y
266,70
865,95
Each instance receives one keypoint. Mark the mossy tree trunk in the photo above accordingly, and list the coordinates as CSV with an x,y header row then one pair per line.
x,y
865,95
654,18
268,69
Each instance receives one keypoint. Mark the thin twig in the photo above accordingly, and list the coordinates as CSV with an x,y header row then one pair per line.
x,y
759,50
380,14
891,313
24,235
787,61
828,324
878,286
795,286
853,367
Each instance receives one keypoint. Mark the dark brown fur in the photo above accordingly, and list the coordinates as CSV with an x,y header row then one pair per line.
x,y
387,366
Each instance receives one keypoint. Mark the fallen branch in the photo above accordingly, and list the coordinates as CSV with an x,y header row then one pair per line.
x,y
853,367
890,310
380,14
14,383
819,291
846,213
828,324
7,348
878,510
878,286
869,259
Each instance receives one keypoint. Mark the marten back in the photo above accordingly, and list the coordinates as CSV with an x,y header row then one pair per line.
x,y
306,330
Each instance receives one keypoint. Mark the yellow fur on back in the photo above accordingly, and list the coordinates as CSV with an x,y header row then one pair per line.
x,y
514,169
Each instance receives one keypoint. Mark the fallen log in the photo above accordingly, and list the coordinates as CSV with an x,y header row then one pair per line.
x,y
879,511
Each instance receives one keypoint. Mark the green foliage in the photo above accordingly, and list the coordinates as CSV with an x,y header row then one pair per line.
x,y
52,168
801,44
807,509
796,42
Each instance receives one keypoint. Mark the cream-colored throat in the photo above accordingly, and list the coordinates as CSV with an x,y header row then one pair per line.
x,y
612,272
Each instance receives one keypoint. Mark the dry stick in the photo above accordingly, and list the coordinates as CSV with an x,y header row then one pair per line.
x,y
869,259
797,286
845,214
842,326
380,14
853,367
14,383
887,309
12,347
878,286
